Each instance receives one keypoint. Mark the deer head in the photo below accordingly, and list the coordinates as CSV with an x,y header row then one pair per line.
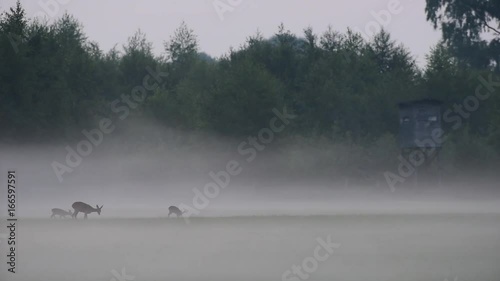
x,y
99,209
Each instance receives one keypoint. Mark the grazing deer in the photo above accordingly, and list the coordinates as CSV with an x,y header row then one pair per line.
x,y
61,213
175,210
85,208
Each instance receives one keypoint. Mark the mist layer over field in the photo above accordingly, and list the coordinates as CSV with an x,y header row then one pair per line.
x,y
368,247
142,169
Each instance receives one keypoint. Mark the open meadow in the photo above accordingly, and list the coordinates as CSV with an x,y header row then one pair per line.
x,y
430,247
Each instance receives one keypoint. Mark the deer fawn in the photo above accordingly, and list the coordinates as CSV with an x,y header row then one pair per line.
x,y
85,208
61,213
175,210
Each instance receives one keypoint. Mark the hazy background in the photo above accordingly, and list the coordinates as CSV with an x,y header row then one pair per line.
x,y
322,176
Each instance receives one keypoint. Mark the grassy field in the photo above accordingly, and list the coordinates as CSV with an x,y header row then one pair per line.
x,y
432,247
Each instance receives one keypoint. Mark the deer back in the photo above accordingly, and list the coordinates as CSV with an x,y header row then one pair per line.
x,y
83,207
58,211
173,209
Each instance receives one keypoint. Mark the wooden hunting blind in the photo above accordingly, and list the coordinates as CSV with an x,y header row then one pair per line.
x,y
417,121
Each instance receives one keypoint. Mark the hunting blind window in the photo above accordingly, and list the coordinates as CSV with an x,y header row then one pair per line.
x,y
419,119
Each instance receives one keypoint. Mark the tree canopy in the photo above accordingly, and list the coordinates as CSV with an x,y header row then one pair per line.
x,y
470,27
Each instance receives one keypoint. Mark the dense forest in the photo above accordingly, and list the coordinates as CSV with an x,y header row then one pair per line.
x,y
342,88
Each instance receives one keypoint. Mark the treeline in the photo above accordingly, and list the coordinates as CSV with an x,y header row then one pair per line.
x,y
56,82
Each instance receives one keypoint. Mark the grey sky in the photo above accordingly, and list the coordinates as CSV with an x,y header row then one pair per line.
x,y
112,22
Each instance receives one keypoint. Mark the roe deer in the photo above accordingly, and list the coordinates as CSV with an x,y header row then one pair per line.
x,y
85,208
61,213
175,210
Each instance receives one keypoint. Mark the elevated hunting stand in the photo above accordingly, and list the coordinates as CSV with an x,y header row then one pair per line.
x,y
420,134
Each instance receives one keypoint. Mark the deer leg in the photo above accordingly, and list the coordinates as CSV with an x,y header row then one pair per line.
x,y
85,217
74,215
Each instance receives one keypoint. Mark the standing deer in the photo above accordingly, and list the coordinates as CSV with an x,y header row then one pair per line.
x,y
61,213
175,210
85,208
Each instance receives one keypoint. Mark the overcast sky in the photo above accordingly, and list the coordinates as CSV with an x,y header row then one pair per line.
x,y
113,21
